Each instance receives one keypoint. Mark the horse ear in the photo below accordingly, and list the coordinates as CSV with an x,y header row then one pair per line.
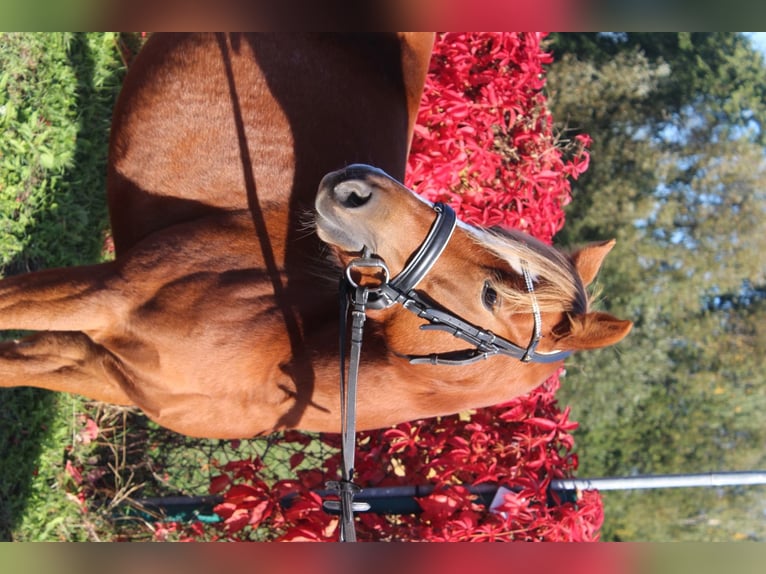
x,y
588,259
590,331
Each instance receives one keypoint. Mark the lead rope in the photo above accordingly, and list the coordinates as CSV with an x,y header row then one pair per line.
x,y
345,486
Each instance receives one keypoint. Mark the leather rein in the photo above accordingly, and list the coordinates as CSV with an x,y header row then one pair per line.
x,y
401,289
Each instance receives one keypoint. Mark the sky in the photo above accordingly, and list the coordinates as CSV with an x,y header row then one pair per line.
x,y
759,40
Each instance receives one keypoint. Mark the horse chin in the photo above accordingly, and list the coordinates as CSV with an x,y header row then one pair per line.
x,y
337,237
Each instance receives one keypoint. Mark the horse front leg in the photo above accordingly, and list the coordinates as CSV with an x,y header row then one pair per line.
x,y
68,362
68,306
67,299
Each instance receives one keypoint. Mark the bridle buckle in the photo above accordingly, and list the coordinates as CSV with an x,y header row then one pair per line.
x,y
367,261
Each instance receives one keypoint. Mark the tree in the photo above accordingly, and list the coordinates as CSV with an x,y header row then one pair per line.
x,y
718,72
677,176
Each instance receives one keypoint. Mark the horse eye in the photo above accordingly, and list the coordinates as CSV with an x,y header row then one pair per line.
x,y
489,296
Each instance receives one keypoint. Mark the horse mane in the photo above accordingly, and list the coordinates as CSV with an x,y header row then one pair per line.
x,y
558,286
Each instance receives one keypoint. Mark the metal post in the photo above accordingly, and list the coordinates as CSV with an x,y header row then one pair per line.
x,y
736,478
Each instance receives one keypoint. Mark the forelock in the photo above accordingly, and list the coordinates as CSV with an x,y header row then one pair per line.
x,y
558,286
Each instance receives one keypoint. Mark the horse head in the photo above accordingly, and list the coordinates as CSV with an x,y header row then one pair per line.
x,y
504,283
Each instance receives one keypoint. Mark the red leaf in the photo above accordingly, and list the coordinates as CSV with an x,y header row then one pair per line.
x,y
219,483
296,459
301,535
542,423
245,496
90,432
225,509
438,507
237,521
74,472
259,513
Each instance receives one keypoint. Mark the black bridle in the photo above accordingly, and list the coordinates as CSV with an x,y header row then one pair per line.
x,y
401,290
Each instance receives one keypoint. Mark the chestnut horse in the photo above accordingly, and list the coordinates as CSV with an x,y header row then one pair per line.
x,y
218,317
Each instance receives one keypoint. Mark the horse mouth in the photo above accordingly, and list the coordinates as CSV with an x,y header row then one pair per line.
x,y
332,233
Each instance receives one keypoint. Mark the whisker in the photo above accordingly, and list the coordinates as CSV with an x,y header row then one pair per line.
x,y
306,220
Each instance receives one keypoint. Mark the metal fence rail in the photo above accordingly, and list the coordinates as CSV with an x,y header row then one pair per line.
x,y
403,499
734,478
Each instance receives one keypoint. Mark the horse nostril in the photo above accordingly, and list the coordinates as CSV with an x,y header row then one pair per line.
x,y
352,193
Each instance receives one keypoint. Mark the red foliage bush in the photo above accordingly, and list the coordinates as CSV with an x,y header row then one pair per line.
x,y
484,140
484,143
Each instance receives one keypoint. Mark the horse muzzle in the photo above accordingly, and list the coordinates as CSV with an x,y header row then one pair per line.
x,y
347,203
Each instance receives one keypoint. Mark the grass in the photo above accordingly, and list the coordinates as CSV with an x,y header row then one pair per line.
x,y
57,480
56,97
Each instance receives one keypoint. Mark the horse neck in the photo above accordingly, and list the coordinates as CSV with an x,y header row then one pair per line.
x,y
421,391
253,121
